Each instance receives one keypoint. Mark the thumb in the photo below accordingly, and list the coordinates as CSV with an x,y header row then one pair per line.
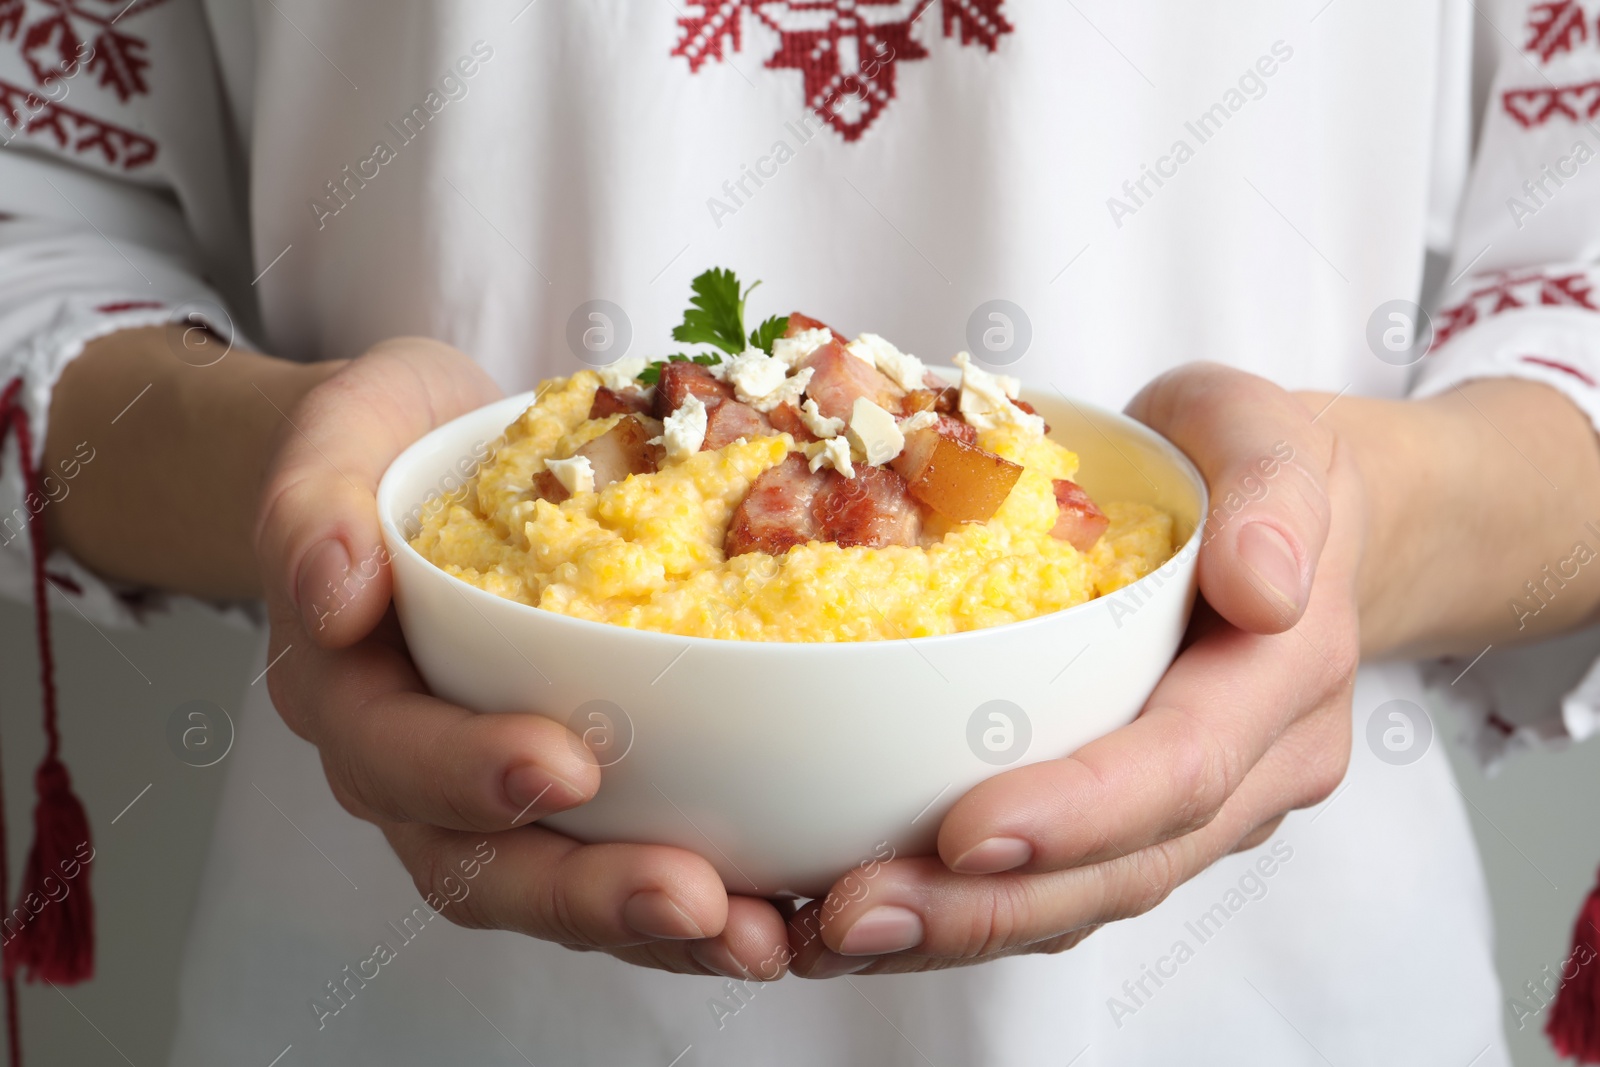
x,y
317,536
1267,465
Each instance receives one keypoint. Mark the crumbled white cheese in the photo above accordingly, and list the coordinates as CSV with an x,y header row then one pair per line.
x,y
790,392
921,420
623,374
719,369
835,453
576,475
794,350
902,368
684,431
763,381
986,399
754,374
823,426
874,432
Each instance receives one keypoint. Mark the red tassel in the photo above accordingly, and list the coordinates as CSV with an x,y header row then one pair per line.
x,y
56,943
1574,1026
50,937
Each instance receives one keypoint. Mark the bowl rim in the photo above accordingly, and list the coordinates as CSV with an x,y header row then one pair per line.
x,y
393,536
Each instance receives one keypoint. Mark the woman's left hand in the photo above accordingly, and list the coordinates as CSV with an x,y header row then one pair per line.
x,y
1251,721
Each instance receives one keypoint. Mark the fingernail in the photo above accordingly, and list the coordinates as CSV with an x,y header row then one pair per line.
x,y
1268,555
529,785
716,956
652,913
885,928
994,855
317,587
833,965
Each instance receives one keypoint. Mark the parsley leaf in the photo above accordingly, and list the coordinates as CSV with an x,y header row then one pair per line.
x,y
717,317
768,332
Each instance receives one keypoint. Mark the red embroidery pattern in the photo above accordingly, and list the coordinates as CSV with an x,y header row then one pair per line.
x,y
1555,27
1510,292
846,50
980,21
1565,368
55,37
73,130
1535,107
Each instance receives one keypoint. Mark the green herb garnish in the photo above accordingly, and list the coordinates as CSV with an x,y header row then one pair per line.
x,y
764,335
717,315
716,318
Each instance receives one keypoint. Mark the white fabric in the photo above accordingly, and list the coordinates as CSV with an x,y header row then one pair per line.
x,y
579,160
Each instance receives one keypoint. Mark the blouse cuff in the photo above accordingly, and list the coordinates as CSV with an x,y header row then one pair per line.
x,y
1541,326
39,361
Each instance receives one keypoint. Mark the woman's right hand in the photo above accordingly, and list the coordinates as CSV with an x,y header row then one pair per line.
x,y
439,779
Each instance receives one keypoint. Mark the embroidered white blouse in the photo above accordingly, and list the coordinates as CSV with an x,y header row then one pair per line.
x,y
1149,184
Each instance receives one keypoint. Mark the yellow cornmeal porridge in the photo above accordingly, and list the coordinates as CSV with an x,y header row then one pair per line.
x,y
647,552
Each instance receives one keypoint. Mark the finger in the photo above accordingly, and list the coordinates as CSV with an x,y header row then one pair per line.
x,y
753,947
318,536
822,962
921,910
920,915
1266,462
1228,700
1306,767
393,752
1220,706
548,886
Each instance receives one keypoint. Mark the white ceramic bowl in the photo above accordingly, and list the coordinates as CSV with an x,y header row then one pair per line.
x,y
788,764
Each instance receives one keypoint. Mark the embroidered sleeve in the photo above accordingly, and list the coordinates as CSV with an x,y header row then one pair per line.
x,y
1523,301
1524,292
60,288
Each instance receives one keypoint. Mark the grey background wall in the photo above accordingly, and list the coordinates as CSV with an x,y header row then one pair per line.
x,y
1536,825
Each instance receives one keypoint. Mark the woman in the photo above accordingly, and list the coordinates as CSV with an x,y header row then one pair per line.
x,y
1153,189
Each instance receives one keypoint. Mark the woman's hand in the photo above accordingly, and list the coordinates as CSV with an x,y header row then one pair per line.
x,y
1251,721
438,779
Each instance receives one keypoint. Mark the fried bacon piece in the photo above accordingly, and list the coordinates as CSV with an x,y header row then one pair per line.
x,y
546,486
785,418
731,420
799,322
608,402
957,479
957,430
872,509
789,505
840,378
1079,522
622,450
938,398
683,379
727,419
777,514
